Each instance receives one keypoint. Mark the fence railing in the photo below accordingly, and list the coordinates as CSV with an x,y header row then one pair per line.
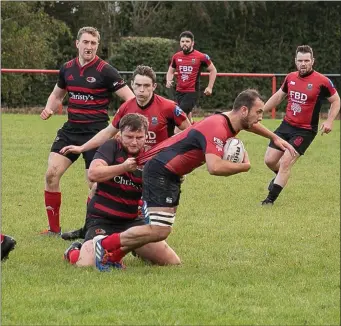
x,y
219,74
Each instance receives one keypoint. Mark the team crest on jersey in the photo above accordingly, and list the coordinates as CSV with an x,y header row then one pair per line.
x,y
154,121
90,79
178,111
310,86
193,60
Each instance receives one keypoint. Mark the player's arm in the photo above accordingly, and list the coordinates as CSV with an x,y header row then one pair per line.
x,y
274,100
184,124
260,130
54,101
334,110
125,93
217,166
100,171
170,76
211,79
96,141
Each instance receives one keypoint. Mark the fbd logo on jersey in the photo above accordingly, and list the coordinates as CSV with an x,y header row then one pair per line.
x,y
310,86
178,111
219,143
154,121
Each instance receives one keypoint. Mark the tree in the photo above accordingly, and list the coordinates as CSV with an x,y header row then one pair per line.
x,y
31,39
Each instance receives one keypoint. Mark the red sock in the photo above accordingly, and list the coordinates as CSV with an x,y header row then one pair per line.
x,y
52,204
116,255
73,256
112,242
2,237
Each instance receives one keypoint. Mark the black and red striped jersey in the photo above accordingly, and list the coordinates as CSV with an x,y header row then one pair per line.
x,y
186,151
90,90
305,95
118,197
162,114
188,66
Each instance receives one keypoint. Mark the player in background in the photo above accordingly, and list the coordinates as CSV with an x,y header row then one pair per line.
x,y
179,155
188,64
89,82
7,245
305,89
162,114
114,207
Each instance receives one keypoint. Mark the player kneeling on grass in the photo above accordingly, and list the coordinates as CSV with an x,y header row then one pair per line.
x,y
114,207
180,155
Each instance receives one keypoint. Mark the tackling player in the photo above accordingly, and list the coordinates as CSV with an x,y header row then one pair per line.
x,y
114,207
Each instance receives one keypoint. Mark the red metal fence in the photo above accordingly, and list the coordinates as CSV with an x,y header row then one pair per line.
x,y
220,74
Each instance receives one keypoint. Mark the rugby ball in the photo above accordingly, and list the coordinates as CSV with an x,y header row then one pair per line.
x,y
234,150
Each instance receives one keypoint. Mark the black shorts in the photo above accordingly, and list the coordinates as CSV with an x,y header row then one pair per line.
x,y
65,138
160,188
299,138
187,101
98,226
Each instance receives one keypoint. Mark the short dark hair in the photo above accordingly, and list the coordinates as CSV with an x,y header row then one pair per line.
x,y
305,49
145,71
246,98
188,34
134,122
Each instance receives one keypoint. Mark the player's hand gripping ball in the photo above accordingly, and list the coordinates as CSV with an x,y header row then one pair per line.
x,y
234,150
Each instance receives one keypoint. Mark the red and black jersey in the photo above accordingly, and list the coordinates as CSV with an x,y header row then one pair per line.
x,y
305,95
162,114
186,151
90,90
117,198
188,66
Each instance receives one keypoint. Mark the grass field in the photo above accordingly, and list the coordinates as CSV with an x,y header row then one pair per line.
x,y
243,264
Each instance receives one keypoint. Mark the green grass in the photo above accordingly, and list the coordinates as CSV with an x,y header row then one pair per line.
x,y
242,264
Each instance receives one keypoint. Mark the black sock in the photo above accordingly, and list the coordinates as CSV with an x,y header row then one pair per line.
x,y
275,191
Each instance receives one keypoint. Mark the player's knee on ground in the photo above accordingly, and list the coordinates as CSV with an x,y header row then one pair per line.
x,y
158,253
86,255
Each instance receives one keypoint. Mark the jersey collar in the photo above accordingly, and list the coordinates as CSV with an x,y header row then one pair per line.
x,y
228,122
